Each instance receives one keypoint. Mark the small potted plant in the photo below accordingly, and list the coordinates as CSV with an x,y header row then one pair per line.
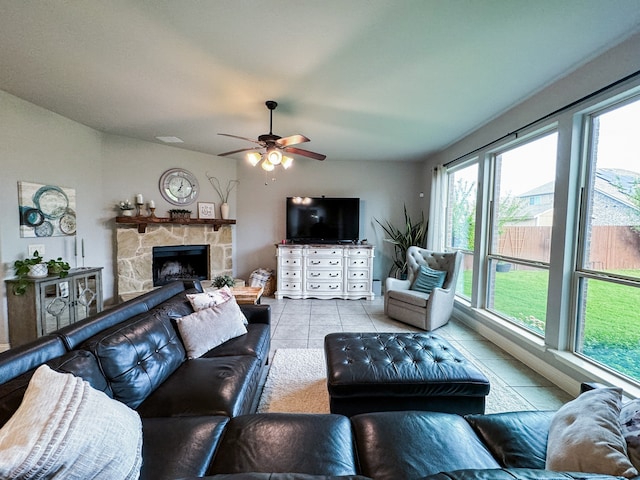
x,y
222,281
126,208
36,267
58,267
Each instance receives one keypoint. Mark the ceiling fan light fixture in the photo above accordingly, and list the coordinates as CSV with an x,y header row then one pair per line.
x,y
274,156
286,162
254,158
267,165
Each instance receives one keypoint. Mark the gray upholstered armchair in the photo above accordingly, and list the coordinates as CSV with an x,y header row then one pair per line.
x,y
424,310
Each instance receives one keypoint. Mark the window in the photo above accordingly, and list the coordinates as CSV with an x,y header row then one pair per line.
x,y
520,232
608,274
460,227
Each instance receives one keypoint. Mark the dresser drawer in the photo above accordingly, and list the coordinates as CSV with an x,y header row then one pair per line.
x,y
290,286
290,274
324,262
358,262
324,274
358,274
359,252
325,252
358,287
291,261
322,287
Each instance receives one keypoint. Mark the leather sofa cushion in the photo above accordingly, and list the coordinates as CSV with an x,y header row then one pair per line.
x,y
256,343
393,445
77,333
516,474
78,362
516,439
138,355
309,444
179,447
206,386
278,476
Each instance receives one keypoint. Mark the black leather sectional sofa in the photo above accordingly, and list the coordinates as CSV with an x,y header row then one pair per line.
x,y
198,415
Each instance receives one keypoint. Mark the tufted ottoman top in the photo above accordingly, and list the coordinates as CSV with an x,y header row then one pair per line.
x,y
402,364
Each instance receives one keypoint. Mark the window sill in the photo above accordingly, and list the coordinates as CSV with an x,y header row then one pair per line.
x,y
564,369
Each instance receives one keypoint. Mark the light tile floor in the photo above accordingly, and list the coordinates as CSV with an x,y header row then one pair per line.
x,y
304,323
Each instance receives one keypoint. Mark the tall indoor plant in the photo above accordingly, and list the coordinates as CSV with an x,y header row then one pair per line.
x,y
411,233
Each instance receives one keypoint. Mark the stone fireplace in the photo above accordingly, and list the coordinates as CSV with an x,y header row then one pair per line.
x,y
134,252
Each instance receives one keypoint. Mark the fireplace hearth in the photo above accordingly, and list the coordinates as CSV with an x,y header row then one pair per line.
x,y
179,262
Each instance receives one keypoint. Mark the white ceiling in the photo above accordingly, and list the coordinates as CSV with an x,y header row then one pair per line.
x,y
363,79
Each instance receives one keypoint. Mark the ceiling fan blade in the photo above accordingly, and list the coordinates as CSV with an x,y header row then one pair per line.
x,y
292,140
236,151
305,153
241,138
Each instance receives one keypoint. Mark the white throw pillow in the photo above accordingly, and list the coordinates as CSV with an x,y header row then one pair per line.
x,y
67,429
210,298
206,329
585,436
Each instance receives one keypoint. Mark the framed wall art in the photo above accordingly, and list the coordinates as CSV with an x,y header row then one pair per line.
x,y
46,210
206,210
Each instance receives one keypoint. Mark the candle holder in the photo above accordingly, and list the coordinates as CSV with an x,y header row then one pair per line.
x,y
153,212
139,208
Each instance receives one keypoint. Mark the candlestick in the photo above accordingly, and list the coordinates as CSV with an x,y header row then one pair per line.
x,y
152,204
139,199
153,211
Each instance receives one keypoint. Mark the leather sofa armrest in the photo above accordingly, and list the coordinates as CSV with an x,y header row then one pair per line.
x,y
257,313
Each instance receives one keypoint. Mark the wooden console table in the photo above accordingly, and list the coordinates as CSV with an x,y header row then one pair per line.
x,y
142,222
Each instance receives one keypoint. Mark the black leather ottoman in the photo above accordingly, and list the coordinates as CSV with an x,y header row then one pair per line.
x,y
373,372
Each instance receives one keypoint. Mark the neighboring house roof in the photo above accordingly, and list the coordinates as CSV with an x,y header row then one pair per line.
x,y
614,183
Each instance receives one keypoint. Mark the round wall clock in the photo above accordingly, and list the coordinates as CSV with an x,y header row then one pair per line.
x,y
179,186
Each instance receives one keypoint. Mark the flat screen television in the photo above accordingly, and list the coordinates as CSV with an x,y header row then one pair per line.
x,y
322,219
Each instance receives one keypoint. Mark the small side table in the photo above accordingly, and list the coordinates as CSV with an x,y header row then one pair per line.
x,y
247,295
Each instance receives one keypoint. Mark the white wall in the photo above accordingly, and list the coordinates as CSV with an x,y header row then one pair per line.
x,y
383,189
40,146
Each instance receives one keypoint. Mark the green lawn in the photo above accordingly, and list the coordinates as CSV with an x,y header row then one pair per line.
x,y
612,321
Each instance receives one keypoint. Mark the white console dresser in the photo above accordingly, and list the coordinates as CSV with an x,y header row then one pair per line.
x,y
325,271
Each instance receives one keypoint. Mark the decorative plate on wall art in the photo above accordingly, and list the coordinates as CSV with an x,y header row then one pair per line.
x,y
179,186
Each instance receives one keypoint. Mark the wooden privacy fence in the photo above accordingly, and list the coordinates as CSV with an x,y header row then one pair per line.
x,y
611,247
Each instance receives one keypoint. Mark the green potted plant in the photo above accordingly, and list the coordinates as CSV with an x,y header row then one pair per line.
x,y
36,267
411,233
223,280
58,267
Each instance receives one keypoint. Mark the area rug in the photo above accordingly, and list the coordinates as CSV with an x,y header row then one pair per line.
x,y
297,383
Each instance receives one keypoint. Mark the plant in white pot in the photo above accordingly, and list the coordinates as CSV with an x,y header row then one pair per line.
x,y
36,267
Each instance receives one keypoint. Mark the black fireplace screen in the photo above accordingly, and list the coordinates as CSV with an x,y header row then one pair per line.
x,y
180,262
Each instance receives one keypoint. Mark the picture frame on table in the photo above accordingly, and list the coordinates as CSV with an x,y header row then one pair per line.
x,y
206,210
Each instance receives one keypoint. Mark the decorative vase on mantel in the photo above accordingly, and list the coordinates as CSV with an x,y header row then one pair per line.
x,y
224,210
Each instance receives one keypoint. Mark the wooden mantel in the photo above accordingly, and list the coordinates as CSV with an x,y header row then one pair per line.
x,y
142,222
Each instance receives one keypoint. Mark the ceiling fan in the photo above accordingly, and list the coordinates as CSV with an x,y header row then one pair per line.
x,y
273,146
